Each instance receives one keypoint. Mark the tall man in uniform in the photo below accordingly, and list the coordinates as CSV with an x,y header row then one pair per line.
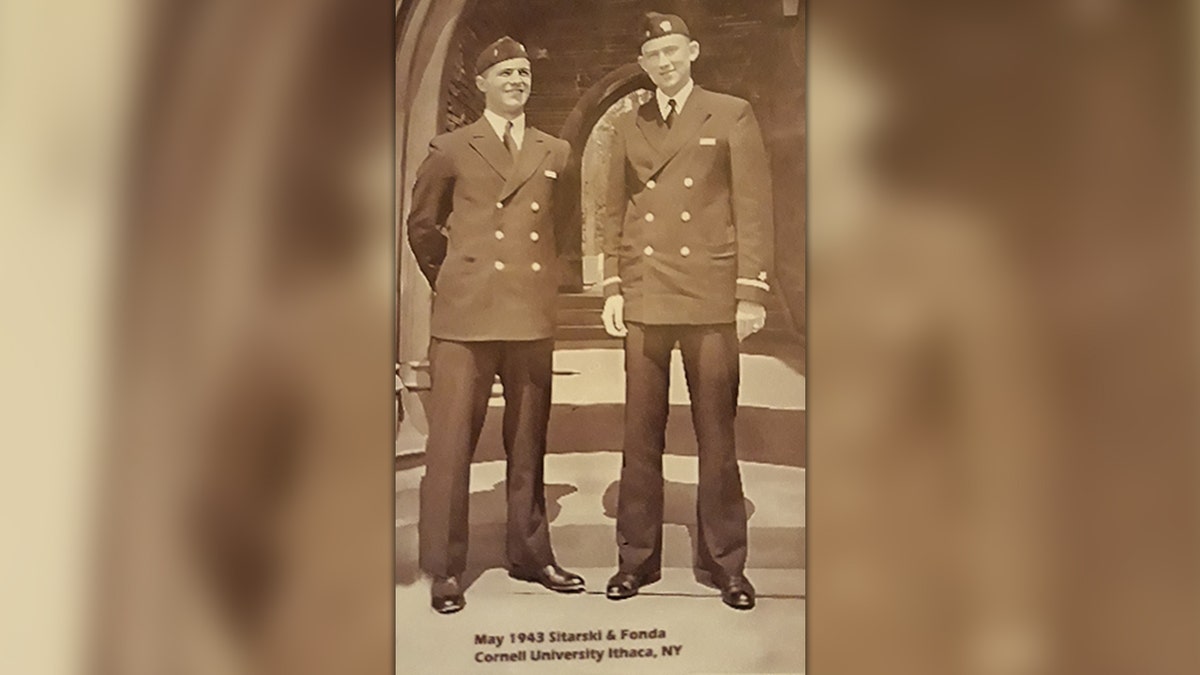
x,y
482,230
687,236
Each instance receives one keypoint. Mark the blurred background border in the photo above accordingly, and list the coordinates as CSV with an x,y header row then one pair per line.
x,y
197,239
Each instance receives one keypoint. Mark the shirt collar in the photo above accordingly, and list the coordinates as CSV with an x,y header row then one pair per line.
x,y
499,124
680,99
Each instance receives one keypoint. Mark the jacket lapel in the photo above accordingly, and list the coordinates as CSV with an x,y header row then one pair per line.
x,y
490,147
533,151
649,121
688,124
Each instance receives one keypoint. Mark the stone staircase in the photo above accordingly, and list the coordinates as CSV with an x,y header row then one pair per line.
x,y
580,325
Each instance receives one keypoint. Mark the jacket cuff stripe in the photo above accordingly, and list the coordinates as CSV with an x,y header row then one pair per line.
x,y
755,283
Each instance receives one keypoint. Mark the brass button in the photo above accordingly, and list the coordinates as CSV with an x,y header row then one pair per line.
x,y
536,267
649,217
499,266
499,234
535,207
534,236
688,182
499,205
685,251
686,216
649,250
651,184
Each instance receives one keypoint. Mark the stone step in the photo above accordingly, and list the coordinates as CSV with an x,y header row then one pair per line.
x,y
594,317
568,336
581,325
595,302
583,316
580,301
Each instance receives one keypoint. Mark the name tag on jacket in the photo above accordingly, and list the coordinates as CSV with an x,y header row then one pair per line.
x,y
708,141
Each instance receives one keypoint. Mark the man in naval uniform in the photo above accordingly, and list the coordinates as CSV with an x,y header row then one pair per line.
x,y
687,235
482,230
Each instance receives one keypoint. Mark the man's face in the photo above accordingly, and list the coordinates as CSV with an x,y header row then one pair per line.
x,y
668,60
506,86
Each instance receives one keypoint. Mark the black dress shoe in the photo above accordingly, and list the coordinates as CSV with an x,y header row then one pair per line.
x,y
738,593
447,596
553,577
625,585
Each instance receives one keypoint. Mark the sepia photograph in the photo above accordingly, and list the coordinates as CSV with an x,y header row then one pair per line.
x,y
600,354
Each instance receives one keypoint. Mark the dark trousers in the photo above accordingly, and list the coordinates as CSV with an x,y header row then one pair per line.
x,y
710,361
462,374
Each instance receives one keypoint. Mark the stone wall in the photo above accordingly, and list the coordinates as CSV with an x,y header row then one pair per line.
x,y
577,42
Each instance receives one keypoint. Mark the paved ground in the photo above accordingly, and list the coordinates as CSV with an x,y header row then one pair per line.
x,y
676,612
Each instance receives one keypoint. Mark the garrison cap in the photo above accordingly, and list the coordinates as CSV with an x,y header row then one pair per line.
x,y
656,25
501,50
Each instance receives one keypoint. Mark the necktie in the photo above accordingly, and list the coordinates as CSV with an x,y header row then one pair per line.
x,y
510,142
671,113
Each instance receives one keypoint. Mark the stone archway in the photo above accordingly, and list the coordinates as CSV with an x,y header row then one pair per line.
x,y
577,129
424,34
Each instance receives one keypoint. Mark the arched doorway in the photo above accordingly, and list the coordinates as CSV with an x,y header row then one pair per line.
x,y
597,148
586,129
424,33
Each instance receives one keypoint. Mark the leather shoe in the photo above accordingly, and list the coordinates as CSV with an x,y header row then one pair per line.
x,y
625,585
447,596
553,577
738,593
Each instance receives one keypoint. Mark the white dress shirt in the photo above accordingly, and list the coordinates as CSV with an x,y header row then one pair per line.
x,y
499,124
681,98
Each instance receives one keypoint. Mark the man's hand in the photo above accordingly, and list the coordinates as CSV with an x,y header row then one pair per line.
x,y
751,317
614,316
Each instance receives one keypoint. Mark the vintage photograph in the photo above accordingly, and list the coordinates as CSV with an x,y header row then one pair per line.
x,y
600,372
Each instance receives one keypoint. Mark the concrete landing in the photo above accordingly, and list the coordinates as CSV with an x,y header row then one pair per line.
x,y
581,498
